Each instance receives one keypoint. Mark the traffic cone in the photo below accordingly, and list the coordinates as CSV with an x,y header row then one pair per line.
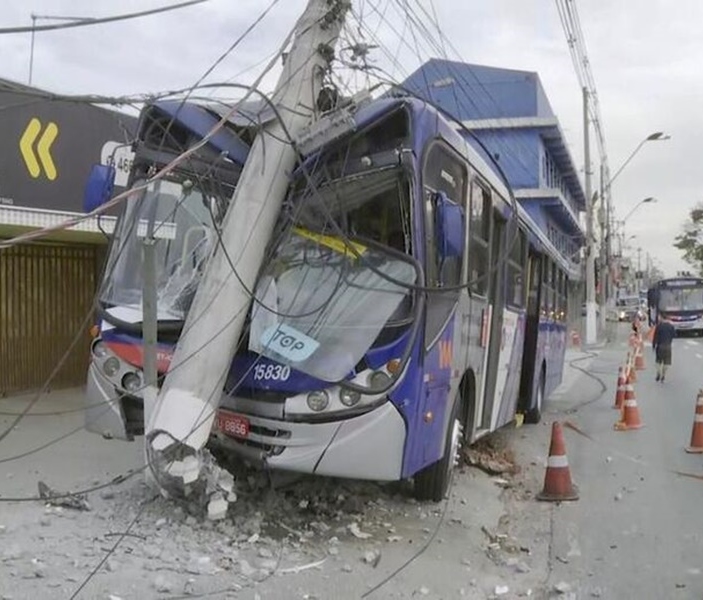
x,y
631,371
630,415
620,392
696,446
557,479
639,355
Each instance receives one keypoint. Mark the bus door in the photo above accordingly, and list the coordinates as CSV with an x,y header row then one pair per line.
x,y
534,277
494,375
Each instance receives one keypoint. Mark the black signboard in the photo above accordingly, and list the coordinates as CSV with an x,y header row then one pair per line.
x,y
47,148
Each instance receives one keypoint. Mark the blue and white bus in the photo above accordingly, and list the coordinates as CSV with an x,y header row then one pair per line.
x,y
406,305
680,299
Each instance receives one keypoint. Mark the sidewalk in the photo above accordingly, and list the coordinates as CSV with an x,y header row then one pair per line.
x,y
588,369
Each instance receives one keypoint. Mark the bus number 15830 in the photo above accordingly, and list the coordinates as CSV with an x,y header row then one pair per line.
x,y
271,372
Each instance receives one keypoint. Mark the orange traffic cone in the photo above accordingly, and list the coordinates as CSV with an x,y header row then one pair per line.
x,y
696,446
639,355
557,479
631,371
620,393
630,415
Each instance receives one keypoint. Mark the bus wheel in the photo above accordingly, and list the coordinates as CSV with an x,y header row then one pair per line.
x,y
432,483
534,415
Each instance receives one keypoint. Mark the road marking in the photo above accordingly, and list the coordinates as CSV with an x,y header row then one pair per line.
x,y
691,343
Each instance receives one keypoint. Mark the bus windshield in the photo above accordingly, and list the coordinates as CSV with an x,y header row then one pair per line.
x,y
681,299
323,300
179,217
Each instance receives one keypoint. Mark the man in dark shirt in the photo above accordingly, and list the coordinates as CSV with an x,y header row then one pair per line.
x,y
664,336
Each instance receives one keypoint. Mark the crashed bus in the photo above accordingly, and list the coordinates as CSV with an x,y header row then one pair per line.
x,y
407,304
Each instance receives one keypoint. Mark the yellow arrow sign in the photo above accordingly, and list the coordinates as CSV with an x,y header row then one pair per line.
x,y
41,158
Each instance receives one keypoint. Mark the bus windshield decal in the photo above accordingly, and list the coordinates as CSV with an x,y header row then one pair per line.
x,y
288,342
333,243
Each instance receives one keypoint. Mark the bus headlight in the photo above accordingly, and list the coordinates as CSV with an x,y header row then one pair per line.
x,y
111,366
379,380
100,350
318,401
349,397
131,382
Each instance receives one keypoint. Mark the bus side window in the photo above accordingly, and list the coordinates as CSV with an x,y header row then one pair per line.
x,y
479,238
442,173
547,287
516,262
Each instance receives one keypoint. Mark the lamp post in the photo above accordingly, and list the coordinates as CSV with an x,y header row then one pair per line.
x,y
606,213
636,206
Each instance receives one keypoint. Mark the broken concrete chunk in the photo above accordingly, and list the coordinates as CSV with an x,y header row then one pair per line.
x,y
357,533
217,508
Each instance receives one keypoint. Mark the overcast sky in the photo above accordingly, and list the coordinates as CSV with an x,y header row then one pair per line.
x,y
645,57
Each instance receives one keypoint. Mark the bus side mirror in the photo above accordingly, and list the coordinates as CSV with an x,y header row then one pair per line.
x,y
449,227
99,187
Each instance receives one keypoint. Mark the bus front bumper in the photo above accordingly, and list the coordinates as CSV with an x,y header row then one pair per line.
x,y
368,446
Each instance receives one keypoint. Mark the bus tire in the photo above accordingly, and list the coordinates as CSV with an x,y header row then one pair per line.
x,y
433,482
534,415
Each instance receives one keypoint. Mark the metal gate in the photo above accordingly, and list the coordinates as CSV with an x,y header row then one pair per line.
x,y
46,294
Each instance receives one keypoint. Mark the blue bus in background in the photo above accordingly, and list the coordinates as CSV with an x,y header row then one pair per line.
x,y
680,299
407,304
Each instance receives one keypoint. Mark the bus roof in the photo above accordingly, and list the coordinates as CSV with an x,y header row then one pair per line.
x,y
679,282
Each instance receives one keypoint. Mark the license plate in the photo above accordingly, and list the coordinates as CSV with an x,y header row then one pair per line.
x,y
232,424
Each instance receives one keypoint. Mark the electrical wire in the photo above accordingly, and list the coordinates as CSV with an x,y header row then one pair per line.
x,y
112,550
84,22
224,119
78,429
419,552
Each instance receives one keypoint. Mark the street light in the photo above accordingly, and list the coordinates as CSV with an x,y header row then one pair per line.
x,y
607,212
652,137
636,206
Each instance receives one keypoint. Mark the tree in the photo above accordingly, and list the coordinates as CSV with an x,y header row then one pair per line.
x,y
690,242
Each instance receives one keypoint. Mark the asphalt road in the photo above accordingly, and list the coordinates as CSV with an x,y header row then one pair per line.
x,y
636,531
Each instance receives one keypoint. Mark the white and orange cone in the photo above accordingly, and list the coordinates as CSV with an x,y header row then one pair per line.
x,y
620,392
630,415
639,355
557,479
696,446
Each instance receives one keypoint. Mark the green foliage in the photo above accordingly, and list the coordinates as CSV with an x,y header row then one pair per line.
x,y
690,241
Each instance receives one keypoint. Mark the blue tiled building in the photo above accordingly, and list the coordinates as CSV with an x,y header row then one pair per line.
x,y
508,111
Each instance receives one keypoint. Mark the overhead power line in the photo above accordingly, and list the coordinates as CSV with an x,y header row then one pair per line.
x,y
84,22
571,24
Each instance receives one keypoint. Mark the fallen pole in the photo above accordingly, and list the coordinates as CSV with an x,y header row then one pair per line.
x,y
186,406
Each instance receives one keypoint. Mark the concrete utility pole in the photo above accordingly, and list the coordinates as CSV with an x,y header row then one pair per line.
x,y
186,406
591,329
604,266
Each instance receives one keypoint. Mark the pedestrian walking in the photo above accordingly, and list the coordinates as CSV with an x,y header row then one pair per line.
x,y
663,339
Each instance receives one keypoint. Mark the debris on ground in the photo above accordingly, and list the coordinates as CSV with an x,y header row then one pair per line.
x,y
486,456
75,501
